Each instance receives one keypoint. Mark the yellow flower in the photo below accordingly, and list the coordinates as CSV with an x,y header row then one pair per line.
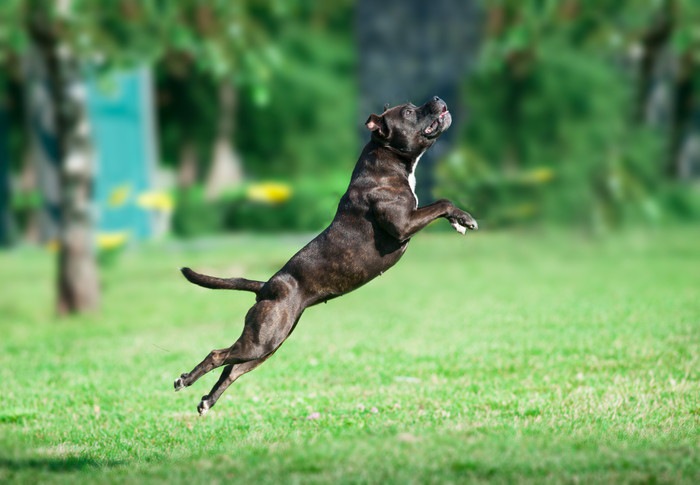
x,y
269,192
119,196
53,245
156,200
111,240
539,175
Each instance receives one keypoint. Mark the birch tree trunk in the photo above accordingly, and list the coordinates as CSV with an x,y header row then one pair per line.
x,y
77,282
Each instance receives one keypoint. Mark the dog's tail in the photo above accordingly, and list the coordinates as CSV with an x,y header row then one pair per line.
x,y
221,283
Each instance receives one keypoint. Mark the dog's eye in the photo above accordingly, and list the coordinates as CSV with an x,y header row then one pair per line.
x,y
407,113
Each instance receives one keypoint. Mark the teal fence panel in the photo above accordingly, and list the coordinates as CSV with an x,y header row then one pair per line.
x,y
121,115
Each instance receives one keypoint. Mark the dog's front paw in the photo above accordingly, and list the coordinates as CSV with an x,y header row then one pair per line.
x,y
458,227
463,221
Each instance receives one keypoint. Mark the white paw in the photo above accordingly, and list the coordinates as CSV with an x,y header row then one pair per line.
x,y
459,227
203,407
178,384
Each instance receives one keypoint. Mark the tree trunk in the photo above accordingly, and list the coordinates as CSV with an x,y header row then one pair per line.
x,y
187,165
225,170
78,285
685,133
665,94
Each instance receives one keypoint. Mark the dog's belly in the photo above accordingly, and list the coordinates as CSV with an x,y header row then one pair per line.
x,y
341,259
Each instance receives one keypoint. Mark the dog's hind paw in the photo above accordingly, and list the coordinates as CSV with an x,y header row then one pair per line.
x,y
203,406
180,382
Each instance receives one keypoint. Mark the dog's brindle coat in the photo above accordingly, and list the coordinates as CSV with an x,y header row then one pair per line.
x,y
376,219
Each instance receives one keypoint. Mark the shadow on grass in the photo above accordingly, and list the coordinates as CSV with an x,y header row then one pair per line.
x,y
54,465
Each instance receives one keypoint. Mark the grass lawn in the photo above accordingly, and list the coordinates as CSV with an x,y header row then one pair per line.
x,y
500,357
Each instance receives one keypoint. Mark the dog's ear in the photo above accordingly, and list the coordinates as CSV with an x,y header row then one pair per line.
x,y
374,122
377,125
386,106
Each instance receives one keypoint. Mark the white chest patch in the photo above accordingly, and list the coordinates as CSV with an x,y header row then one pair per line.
x,y
412,178
412,184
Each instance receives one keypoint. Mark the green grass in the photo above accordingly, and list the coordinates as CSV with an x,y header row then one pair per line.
x,y
502,357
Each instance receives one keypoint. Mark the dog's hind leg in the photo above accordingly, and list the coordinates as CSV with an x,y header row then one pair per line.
x,y
267,325
228,376
216,358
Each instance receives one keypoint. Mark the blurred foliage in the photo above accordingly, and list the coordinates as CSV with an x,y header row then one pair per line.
x,y
307,127
302,133
291,63
309,203
556,101
109,246
225,38
280,134
312,205
556,90
13,37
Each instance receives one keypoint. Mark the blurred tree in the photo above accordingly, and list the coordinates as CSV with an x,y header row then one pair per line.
x,y
5,218
10,41
24,202
282,132
669,63
555,92
78,288
225,171
222,38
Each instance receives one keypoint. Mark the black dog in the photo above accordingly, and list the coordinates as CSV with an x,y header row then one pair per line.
x,y
376,219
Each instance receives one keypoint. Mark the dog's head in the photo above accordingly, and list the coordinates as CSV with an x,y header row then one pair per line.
x,y
410,129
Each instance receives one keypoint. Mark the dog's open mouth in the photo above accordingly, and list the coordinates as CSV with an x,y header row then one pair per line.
x,y
433,128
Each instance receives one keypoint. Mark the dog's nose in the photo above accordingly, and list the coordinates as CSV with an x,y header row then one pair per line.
x,y
436,99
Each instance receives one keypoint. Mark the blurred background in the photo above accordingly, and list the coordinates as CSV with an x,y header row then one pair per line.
x,y
133,120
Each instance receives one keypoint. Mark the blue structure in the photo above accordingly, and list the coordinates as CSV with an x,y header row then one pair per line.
x,y
121,117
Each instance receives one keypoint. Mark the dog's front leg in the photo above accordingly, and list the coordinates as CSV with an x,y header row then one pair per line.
x,y
403,222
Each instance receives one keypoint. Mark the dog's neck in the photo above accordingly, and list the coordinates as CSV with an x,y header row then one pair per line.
x,y
375,158
407,161
406,167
